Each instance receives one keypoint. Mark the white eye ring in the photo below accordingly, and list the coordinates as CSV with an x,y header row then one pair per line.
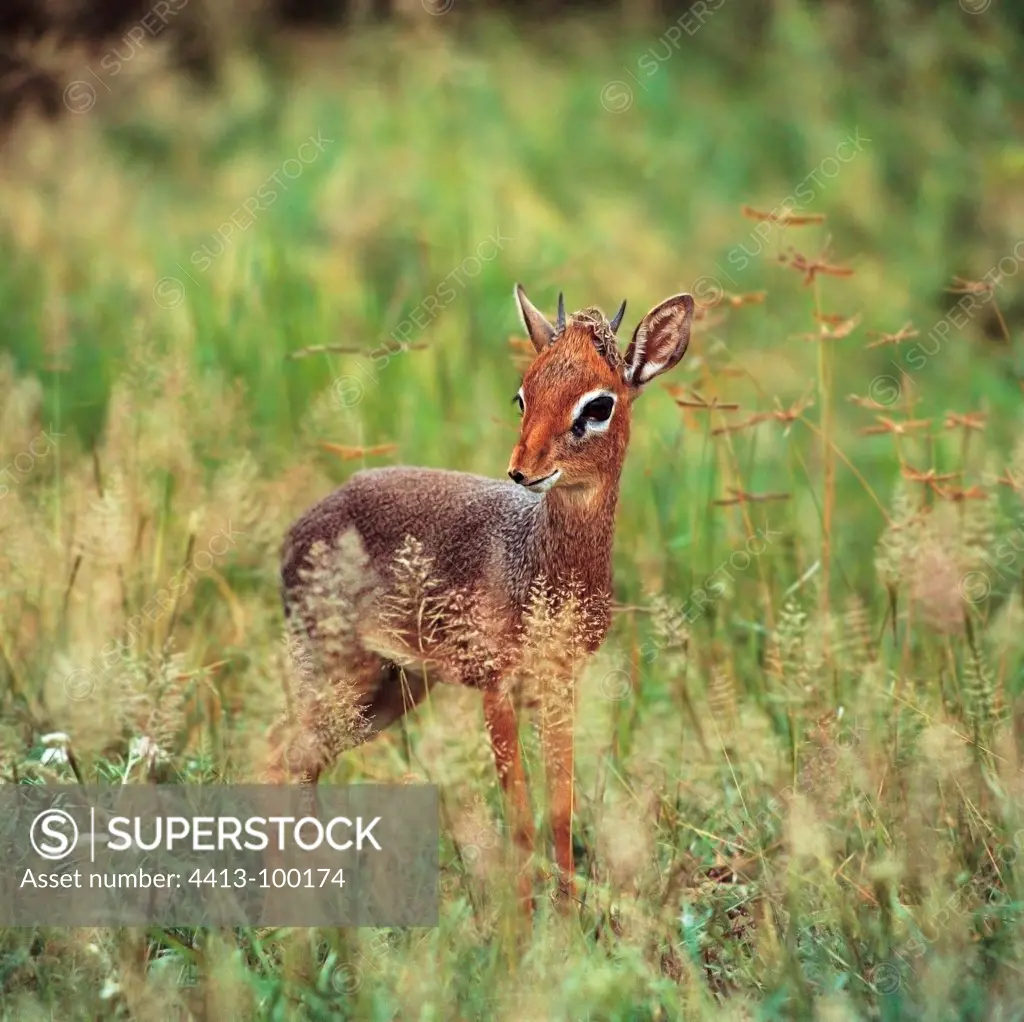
x,y
522,402
591,425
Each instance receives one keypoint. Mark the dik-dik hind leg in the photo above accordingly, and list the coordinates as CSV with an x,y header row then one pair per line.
x,y
401,690
308,743
372,694
502,726
352,711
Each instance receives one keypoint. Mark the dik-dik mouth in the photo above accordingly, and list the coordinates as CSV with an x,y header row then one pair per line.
x,y
544,484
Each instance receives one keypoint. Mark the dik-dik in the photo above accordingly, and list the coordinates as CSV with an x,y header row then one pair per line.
x,y
435,574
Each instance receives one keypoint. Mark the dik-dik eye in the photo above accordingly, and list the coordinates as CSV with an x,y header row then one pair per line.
x,y
600,409
518,400
593,413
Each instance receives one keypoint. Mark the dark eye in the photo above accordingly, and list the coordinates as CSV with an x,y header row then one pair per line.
x,y
599,410
518,400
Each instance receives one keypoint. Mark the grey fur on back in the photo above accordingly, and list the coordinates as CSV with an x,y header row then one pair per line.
x,y
472,527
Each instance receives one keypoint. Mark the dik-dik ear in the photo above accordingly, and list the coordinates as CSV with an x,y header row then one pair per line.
x,y
541,332
660,340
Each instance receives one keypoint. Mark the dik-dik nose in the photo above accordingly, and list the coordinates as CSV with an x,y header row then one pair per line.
x,y
516,476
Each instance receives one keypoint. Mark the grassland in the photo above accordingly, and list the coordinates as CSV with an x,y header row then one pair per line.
x,y
799,783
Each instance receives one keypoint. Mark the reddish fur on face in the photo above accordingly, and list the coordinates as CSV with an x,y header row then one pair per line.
x,y
558,377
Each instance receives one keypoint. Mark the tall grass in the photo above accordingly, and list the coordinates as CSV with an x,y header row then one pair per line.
x,y
798,751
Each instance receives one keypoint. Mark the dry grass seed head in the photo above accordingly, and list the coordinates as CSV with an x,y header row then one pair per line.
x,y
722,699
449,626
669,625
857,645
982,702
334,584
789,659
899,538
934,579
414,609
554,635
979,527
132,694
329,718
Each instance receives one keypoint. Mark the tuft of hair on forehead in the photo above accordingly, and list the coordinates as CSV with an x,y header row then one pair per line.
x,y
592,320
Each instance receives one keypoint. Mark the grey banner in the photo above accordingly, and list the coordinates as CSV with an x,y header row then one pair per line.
x,y
191,855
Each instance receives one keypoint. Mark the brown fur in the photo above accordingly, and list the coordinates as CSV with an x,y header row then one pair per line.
x,y
491,544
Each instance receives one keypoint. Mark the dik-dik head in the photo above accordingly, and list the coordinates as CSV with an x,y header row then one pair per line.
x,y
577,393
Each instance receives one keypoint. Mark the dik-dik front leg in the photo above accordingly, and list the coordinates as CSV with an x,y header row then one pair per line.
x,y
557,717
503,728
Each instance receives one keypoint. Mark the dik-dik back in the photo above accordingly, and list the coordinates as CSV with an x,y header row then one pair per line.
x,y
430,552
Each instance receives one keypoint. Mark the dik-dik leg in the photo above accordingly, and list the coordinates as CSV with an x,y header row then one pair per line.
x,y
373,695
557,734
502,726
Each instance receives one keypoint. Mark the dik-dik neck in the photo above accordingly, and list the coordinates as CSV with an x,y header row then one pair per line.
x,y
575,531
